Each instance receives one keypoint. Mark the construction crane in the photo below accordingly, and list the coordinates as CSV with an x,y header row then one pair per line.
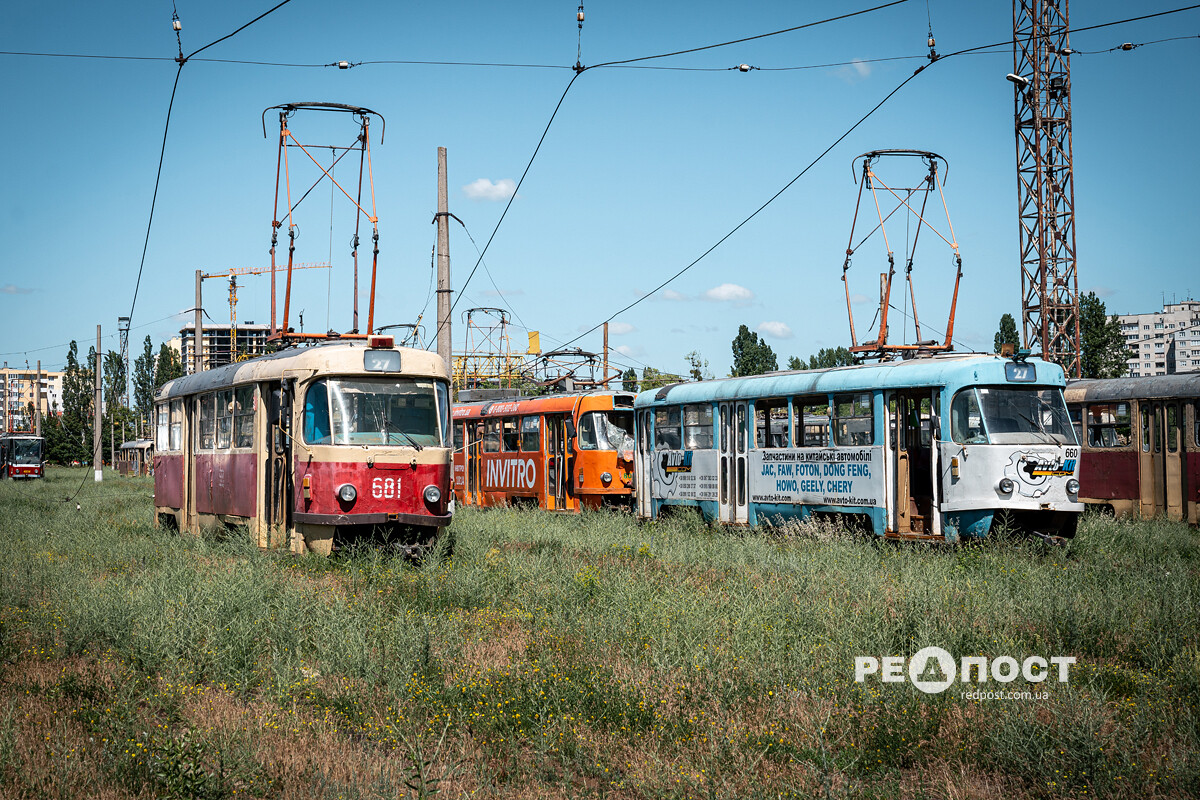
x,y
1041,79
233,274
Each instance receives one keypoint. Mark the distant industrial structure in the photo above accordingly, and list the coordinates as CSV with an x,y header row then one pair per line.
x,y
1164,342
18,387
216,344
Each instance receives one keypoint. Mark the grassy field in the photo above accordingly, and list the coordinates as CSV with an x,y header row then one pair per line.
x,y
535,655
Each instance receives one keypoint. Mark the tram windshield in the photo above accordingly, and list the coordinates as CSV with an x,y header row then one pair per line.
x,y
25,451
388,411
1000,415
606,430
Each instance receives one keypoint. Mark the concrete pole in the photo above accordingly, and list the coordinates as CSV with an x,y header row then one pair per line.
x,y
198,335
37,401
444,346
98,414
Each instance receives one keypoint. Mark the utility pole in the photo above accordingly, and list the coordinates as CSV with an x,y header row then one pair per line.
x,y
198,331
37,402
606,355
443,260
1041,80
97,413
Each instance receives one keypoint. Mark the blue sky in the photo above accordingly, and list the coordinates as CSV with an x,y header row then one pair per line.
x,y
641,172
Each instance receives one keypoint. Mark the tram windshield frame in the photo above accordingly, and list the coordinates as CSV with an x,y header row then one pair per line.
x,y
1025,415
357,411
25,452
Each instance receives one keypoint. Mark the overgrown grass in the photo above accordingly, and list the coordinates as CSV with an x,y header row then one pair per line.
x,y
547,655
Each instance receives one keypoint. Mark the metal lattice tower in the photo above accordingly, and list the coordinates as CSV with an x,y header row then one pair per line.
x,y
123,329
1046,191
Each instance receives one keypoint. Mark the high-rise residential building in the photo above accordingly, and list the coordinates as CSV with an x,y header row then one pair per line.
x,y
18,387
217,345
1165,342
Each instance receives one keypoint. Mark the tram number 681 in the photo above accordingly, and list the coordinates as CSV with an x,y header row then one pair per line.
x,y
385,488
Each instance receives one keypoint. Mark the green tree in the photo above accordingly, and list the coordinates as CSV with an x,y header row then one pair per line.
x,y
143,381
654,379
114,380
1102,352
168,367
77,395
1007,333
697,366
629,381
830,357
750,355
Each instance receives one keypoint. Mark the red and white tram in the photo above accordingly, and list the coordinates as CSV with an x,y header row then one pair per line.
x,y
310,447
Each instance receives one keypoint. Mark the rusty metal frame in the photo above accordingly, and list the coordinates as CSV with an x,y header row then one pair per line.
x,y
880,348
1045,187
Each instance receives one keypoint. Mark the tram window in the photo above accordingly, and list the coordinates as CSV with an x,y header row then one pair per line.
x,y
966,421
388,411
243,416
511,437
531,439
1108,425
1076,414
1028,415
176,432
741,431
162,426
1172,427
1196,424
1145,429
224,418
458,436
811,421
1156,426
853,422
316,414
666,428
208,422
697,427
770,423
587,432
491,436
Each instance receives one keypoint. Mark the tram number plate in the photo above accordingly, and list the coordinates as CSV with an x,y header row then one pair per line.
x,y
385,488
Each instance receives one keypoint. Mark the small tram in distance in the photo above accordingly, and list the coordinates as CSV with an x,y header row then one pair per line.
x,y
309,447
22,456
1141,444
944,447
560,452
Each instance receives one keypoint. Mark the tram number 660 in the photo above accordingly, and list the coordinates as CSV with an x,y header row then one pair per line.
x,y
385,488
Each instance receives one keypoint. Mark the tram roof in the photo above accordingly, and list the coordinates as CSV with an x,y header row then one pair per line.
x,y
1152,387
546,403
935,370
332,358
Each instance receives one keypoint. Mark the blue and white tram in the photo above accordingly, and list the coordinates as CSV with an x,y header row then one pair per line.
x,y
942,447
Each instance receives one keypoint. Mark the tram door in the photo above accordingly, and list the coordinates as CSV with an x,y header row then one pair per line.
x,y
642,466
911,429
556,466
471,444
1163,456
278,448
734,434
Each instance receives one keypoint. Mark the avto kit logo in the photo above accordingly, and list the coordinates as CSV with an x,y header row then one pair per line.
x,y
933,670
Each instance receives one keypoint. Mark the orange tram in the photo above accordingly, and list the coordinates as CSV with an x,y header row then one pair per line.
x,y
309,447
563,452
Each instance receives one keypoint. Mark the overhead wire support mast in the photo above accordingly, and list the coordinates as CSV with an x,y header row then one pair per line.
x,y
1041,81
281,332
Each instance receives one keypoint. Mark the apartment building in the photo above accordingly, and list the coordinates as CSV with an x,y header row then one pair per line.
x,y
1165,342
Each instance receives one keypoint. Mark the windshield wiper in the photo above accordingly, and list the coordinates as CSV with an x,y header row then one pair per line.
x,y
387,436
1049,439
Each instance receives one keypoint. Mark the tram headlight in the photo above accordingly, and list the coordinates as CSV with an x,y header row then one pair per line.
x,y
1072,486
432,494
1005,486
606,478
347,493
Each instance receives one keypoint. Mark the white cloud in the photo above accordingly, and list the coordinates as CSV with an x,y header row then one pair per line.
x,y
729,292
859,298
484,189
620,328
777,330
632,352
13,289
671,294
1102,291
856,71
